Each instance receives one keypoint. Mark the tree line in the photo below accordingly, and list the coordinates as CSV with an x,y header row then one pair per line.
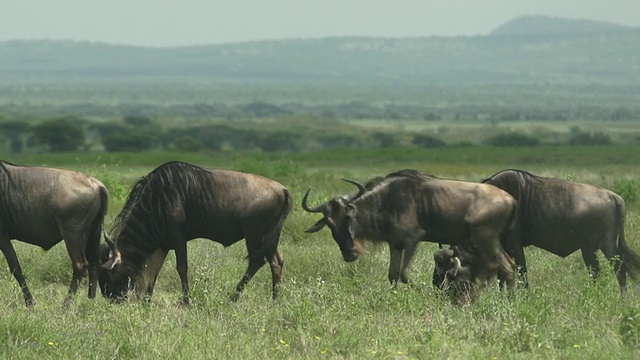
x,y
141,133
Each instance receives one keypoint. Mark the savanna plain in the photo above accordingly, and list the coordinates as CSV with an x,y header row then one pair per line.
x,y
328,308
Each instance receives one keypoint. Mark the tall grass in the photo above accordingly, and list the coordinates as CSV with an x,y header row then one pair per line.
x,y
327,308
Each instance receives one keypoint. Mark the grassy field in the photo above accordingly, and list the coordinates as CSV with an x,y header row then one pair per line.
x,y
328,308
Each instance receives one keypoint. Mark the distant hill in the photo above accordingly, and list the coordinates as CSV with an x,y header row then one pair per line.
x,y
546,25
536,52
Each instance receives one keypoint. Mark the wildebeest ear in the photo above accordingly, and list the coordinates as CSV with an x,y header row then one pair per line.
x,y
114,259
317,226
442,256
351,211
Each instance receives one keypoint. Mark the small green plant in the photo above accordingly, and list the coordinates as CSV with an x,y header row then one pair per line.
x,y
118,189
630,327
628,189
510,140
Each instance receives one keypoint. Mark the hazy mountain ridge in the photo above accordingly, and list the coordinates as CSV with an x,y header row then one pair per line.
x,y
589,52
545,25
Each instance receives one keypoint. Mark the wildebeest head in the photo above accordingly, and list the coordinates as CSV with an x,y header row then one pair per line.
x,y
113,280
339,216
453,274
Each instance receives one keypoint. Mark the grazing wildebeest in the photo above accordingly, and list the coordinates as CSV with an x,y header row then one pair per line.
x,y
41,206
178,202
408,206
562,216
456,272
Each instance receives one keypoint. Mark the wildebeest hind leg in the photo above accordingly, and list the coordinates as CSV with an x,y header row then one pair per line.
x,y
16,270
79,265
276,273
619,267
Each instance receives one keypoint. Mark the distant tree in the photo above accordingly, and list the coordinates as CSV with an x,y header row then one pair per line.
x,y
137,121
187,144
427,141
384,139
579,137
132,141
134,134
59,134
15,132
262,110
512,140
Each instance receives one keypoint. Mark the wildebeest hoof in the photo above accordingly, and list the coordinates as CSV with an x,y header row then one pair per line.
x,y
30,303
186,301
67,302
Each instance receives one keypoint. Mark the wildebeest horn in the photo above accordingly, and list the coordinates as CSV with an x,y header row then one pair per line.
x,y
456,267
306,207
107,239
361,188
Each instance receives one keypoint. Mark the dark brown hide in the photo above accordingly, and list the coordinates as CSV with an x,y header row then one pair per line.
x,y
42,206
562,216
178,202
458,272
408,207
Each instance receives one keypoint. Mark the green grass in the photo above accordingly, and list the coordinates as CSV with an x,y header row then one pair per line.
x,y
328,308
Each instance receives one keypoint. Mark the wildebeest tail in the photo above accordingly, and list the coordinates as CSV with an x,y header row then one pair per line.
x,y
629,257
93,244
272,235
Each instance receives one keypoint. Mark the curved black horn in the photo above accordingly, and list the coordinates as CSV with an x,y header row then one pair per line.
x,y
361,188
306,207
457,265
107,239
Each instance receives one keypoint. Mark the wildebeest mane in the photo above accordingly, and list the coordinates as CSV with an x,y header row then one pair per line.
x,y
518,183
141,227
5,173
411,173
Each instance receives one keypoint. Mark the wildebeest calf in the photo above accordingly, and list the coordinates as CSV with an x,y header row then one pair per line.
x,y
457,272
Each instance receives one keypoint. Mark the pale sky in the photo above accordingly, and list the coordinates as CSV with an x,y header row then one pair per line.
x,y
199,22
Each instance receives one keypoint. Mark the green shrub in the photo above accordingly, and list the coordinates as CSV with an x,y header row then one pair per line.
x,y
512,140
427,141
630,327
187,144
579,137
628,189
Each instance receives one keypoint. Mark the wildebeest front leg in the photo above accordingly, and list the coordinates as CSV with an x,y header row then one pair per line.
x,y
254,265
591,260
395,265
182,266
151,271
407,258
521,263
16,270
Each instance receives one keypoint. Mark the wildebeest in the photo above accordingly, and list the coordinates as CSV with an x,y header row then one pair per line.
x,y
41,206
178,202
456,272
562,216
407,207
